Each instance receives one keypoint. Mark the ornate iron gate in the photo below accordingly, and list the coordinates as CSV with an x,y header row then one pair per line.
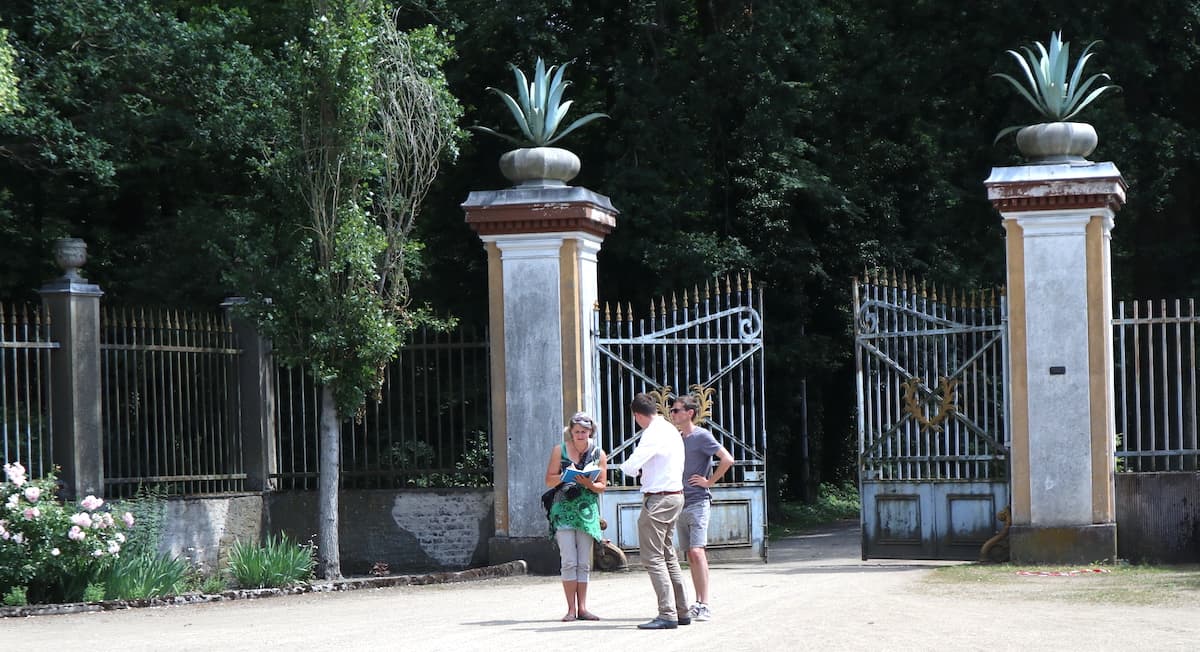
x,y
932,417
708,342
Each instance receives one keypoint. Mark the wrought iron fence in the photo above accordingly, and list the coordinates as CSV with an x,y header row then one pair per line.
x,y
429,426
931,381
1156,391
170,402
707,342
25,395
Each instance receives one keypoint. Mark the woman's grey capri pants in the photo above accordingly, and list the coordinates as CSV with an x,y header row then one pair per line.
x,y
575,550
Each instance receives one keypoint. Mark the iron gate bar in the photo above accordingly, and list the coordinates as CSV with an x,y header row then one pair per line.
x,y
910,314
1157,393
717,335
706,341
24,380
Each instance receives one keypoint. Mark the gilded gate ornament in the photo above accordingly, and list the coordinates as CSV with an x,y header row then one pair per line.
x,y
704,398
664,396
912,404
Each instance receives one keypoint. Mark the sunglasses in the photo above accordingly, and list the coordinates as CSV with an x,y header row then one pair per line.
x,y
582,420
674,410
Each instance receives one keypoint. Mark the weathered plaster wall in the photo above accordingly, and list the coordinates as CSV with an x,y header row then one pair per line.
x,y
411,530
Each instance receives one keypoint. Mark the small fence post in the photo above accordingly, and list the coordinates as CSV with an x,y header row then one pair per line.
x,y
256,375
73,306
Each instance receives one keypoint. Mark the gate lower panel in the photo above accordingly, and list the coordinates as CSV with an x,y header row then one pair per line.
x,y
929,520
737,524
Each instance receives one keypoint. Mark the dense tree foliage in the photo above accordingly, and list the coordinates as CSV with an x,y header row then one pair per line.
x,y
9,101
802,140
138,132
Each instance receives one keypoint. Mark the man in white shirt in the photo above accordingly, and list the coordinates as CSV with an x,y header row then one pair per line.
x,y
658,457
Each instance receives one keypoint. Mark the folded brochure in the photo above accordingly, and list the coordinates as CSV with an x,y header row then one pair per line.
x,y
591,470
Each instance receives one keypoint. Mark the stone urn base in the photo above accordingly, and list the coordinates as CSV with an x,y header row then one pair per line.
x,y
1057,142
539,167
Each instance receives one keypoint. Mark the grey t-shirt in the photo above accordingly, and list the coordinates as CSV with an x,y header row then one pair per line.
x,y
698,448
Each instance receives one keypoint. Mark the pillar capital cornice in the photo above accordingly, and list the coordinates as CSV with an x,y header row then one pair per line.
x,y
1056,188
540,210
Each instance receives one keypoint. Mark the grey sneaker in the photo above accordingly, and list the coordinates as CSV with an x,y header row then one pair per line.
x,y
693,610
702,612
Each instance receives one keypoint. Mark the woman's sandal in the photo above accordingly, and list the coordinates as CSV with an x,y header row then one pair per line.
x,y
568,618
587,615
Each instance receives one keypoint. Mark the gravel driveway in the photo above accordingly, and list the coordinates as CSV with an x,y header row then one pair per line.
x,y
815,594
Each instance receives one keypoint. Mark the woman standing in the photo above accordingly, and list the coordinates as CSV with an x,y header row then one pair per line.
x,y
575,514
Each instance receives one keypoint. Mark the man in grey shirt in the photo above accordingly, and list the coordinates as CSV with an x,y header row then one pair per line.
x,y
699,447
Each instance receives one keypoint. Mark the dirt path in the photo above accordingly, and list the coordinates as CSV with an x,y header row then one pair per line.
x,y
816,594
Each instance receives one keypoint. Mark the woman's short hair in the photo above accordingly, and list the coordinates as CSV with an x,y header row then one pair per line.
x,y
581,419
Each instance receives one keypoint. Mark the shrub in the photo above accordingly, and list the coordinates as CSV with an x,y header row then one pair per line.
x,y
16,597
50,550
210,584
145,575
279,562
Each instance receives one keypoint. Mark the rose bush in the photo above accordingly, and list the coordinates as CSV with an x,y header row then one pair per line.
x,y
51,551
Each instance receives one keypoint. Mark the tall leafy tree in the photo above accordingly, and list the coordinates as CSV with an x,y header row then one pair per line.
x,y
137,132
371,122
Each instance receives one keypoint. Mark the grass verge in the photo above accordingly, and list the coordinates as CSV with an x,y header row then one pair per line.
x,y
1121,584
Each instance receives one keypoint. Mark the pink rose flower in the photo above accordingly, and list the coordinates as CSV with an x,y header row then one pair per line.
x,y
91,503
76,534
32,494
128,518
32,513
18,538
82,519
15,473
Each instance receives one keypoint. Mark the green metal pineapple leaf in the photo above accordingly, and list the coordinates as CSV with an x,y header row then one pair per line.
x,y
1049,91
538,108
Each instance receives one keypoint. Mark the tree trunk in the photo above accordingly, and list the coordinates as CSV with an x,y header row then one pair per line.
x,y
329,564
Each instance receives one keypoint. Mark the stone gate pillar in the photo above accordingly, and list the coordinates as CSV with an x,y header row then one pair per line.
x,y
1058,219
542,243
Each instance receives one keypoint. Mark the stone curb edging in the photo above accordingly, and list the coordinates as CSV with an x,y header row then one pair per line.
x,y
507,569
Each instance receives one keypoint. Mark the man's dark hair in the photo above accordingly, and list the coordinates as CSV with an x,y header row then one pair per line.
x,y
688,402
644,405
